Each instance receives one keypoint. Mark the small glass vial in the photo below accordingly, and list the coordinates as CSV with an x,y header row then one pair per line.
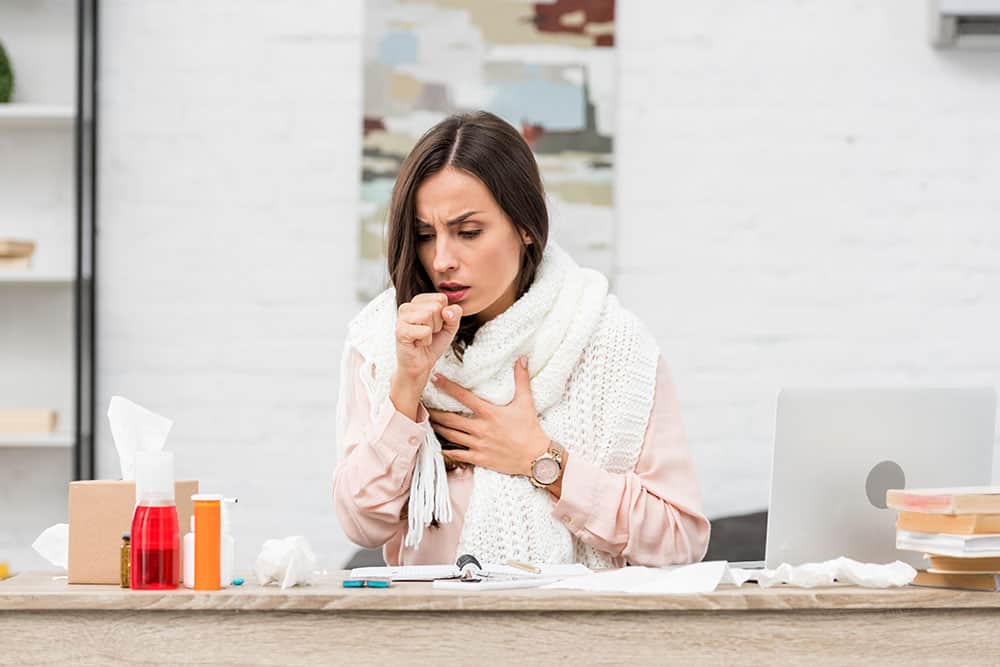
x,y
126,560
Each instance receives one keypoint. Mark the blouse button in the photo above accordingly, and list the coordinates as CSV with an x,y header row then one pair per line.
x,y
413,440
565,518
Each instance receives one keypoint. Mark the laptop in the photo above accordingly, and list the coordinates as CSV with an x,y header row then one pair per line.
x,y
837,451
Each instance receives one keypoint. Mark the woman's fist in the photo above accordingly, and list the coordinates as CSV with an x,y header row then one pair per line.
x,y
425,327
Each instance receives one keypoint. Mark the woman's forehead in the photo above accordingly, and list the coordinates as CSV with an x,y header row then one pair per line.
x,y
450,193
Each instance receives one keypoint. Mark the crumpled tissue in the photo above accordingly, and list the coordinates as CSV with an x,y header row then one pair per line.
x,y
134,429
810,575
289,562
705,577
53,545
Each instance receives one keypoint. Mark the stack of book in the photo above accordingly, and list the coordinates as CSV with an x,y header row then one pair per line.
x,y
957,530
16,254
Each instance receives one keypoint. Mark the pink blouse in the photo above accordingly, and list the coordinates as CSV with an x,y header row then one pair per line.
x,y
649,516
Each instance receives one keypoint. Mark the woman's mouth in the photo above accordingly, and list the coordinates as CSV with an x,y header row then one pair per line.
x,y
454,291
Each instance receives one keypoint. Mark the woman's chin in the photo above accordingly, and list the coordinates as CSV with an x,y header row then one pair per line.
x,y
470,310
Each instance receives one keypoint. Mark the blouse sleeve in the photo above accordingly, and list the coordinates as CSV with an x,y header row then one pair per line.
x,y
371,484
651,515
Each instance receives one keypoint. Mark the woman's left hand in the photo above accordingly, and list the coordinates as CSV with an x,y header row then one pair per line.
x,y
504,438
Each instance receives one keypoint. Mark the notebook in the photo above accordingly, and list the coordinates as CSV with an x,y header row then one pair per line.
x,y
955,500
961,546
434,572
492,584
969,582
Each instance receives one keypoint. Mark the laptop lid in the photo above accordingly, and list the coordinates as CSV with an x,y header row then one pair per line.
x,y
836,452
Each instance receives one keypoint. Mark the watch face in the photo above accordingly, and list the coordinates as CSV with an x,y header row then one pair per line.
x,y
545,471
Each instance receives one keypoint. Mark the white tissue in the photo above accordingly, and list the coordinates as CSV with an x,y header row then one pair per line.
x,y
53,545
810,575
135,429
289,562
705,577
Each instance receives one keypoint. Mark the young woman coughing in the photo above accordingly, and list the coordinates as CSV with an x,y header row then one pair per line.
x,y
497,400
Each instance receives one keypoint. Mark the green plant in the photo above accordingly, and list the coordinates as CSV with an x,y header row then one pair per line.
x,y
6,76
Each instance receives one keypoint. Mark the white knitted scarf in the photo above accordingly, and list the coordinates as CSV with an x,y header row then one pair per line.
x,y
593,373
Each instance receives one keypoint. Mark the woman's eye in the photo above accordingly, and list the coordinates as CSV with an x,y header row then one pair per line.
x,y
424,238
471,234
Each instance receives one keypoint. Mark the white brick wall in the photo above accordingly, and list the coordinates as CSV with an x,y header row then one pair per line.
x,y
807,194
229,160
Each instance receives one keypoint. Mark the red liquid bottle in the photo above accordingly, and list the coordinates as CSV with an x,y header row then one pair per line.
x,y
155,534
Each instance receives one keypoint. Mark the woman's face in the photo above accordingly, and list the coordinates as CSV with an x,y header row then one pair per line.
x,y
467,244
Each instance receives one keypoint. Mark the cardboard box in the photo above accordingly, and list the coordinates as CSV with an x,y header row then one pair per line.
x,y
99,512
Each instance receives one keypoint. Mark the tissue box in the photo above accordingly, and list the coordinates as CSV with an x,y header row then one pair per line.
x,y
99,512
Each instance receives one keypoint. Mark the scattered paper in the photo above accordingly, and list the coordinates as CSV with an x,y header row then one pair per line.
x,y
696,578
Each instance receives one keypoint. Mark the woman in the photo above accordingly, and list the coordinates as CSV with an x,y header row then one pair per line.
x,y
562,437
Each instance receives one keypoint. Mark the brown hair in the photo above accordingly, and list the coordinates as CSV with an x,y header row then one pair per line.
x,y
487,147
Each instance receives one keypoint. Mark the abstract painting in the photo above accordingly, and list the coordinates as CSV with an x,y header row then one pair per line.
x,y
548,68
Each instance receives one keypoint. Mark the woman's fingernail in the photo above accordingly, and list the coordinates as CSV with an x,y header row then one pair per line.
x,y
524,362
449,315
435,377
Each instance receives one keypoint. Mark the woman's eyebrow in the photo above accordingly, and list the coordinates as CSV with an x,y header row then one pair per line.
x,y
460,219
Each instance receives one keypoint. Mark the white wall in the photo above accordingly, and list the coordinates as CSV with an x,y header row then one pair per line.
x,y
229,152
807,194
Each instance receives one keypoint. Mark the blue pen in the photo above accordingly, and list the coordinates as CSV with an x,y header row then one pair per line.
x,y
368,582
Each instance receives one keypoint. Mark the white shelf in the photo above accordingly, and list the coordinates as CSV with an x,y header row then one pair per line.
x,y
28,276
36,439
36,115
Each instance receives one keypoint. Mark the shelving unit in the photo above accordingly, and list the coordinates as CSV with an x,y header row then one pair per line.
x,y
22,440
37,116
28,276
47,139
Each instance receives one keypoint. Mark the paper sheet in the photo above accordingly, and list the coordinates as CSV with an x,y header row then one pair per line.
x,y
432,572
697,578
491,584
407,572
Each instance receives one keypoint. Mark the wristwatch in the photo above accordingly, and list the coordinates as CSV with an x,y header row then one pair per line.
x,y
546,468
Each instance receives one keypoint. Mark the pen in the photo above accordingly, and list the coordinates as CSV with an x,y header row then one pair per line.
x,y
527,567
368,582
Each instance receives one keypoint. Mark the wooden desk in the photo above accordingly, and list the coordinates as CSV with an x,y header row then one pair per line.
x,y
46,621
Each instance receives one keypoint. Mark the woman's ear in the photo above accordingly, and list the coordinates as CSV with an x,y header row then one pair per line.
x,y
526,238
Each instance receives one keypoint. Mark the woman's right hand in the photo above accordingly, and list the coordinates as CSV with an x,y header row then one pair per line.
x,y
425,327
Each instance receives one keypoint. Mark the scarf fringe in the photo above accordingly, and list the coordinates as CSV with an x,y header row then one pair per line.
x,y
429,496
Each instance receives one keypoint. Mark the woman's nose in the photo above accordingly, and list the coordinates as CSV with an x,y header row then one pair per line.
x,y
444,257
